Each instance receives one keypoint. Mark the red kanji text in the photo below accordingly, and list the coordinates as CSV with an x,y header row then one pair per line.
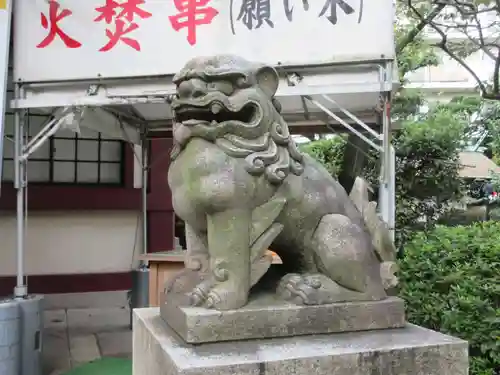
x,y
122,14
51,24
119,34
108,11
192,13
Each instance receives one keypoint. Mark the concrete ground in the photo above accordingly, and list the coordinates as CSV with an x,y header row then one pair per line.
x,y
84,327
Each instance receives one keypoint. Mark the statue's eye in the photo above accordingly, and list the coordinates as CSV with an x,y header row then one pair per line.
x,y
226,87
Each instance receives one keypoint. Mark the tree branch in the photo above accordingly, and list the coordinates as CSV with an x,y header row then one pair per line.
x,y
443,46
496,73
412,34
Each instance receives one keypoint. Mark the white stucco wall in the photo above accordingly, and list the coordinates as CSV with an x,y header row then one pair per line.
x,y
67,243
70,242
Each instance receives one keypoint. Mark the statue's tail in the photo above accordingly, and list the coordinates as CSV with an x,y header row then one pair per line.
x,y
381,238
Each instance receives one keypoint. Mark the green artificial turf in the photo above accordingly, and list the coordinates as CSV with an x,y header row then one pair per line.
x,y
104,366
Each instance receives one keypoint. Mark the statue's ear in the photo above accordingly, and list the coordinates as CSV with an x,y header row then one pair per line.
x,y
268,80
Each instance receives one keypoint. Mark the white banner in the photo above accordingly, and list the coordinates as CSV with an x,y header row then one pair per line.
x,y
59,40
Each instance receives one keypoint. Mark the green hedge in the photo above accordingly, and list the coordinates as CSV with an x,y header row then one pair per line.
x,y
450,280
328,152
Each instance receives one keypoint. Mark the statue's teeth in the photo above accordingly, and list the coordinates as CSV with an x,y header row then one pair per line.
x,y
216,108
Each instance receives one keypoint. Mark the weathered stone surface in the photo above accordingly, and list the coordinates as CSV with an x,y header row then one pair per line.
x,y
242,186
403,351
267,317
83,349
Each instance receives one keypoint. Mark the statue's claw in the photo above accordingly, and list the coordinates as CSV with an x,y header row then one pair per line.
x,y
199,294
196,299
300,289
220,296
213,300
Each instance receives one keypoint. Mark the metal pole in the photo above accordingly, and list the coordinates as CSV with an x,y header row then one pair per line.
x,y
144,191
387,193
20,291
384,171
139,295
391,192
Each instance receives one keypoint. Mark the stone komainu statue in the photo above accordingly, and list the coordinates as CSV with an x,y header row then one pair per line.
x,y
241,186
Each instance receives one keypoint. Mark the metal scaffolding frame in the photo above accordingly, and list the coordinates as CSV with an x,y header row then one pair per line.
x,y
66,117
382,143
70,116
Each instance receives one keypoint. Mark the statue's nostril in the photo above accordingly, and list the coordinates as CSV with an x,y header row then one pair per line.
x,y
197,93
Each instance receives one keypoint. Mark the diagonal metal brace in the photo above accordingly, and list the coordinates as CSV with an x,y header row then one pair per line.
x,y
295,80
61,118
343,123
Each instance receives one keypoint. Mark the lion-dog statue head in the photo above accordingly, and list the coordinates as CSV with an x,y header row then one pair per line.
x,y
230,101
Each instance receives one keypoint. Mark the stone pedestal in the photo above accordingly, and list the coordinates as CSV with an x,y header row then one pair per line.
x,y
401,351
265,316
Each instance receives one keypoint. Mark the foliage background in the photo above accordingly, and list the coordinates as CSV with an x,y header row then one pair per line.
x,y
427,167
449,280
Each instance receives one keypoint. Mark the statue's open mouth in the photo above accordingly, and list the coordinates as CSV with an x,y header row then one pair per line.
x,y
215,112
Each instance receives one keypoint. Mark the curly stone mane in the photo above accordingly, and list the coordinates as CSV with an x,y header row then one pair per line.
x,y
266,143
273,154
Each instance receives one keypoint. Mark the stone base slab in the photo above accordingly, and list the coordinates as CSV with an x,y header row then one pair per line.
x,y
268,317
403,351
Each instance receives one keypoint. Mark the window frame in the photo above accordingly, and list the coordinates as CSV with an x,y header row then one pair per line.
x,y
51,160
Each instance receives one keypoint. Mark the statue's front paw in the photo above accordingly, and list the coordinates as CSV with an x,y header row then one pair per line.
x,y
300,289
213,300
199,295
221,296
227,296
